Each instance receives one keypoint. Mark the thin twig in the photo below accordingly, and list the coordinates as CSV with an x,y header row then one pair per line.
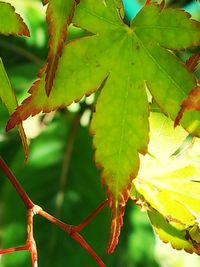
x,y
82,225
65,227
87,247
25,198
11,250
30,242
69,229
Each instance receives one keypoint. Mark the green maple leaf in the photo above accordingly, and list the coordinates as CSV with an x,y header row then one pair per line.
x,y
171,185
125,61
11,22
59,15
8,97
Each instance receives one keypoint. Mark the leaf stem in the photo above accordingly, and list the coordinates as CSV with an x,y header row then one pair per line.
x,y
73,231
87,247
11,250
30,242
25,198
82,225
65,227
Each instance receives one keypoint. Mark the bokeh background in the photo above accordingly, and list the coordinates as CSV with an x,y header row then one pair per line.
x,y
61,175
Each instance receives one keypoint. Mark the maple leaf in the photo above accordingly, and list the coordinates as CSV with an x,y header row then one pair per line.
x,y
166,182
125,60
8,97
59,15
187,239
13,23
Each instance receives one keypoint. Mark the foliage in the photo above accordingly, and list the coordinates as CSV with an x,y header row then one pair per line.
x,y
166,181
59,16
134,68
15,24
8,97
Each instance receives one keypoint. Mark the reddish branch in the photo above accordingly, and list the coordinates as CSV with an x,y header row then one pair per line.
x,y
25,198
81,226
10,250
33,209
30,242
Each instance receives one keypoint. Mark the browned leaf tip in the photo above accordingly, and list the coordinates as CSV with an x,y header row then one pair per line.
x,y
23,28
162,4
148,2
192,62
44,2
117,208
24,140
19,114
26,109
192,102
179,117
56,45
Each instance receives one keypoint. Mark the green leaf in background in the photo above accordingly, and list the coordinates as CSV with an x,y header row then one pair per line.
x,y
8,97
171,185
59,15
11,22
123,60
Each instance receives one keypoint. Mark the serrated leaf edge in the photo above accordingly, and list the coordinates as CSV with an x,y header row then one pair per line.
x,y
52,60
195,245
24,28
116,210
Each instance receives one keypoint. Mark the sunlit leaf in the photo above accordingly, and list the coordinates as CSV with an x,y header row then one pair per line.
x,y
8,98
179,239
170,185
11,22
122,60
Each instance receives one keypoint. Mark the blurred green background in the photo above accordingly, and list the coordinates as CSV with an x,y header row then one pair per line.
x,y
61,175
